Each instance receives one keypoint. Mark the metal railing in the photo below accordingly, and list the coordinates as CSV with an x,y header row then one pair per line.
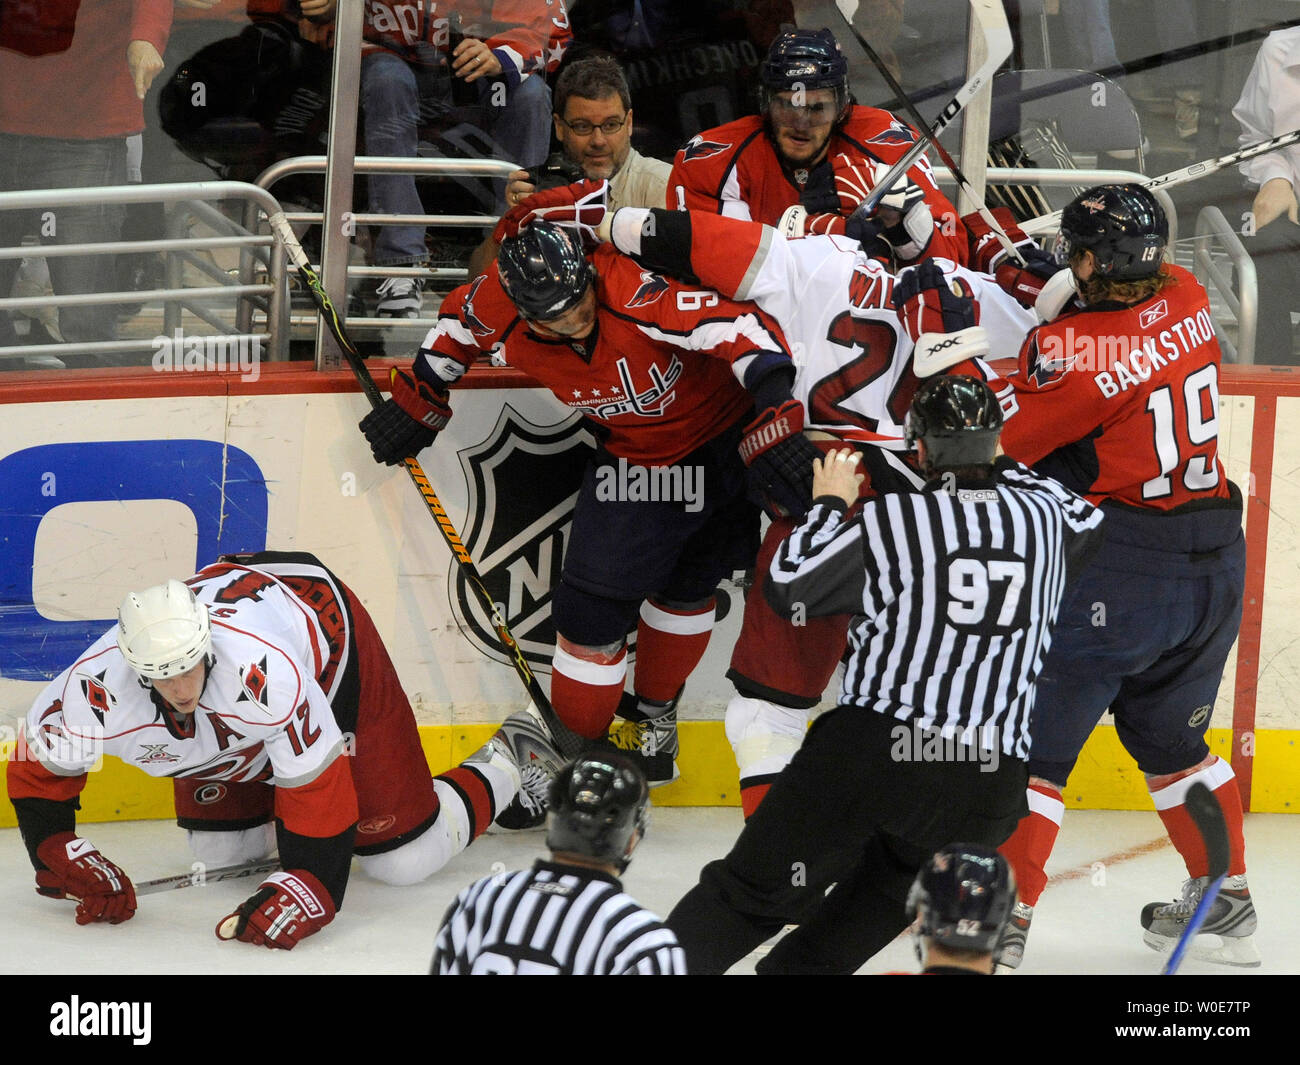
x,y
1213,230
416,167
194,197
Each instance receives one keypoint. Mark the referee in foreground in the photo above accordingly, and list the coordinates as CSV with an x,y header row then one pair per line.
x,y
952,592
568,916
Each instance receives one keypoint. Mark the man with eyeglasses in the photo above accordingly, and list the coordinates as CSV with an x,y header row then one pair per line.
x,y
797,165
593,123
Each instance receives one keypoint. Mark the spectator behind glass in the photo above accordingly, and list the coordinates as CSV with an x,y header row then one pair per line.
x,y
1270,106
593,123
409,72
64,121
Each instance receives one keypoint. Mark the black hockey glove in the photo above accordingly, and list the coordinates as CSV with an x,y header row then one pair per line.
x,y
405,425
780,459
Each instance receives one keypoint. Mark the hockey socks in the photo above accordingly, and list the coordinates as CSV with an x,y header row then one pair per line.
x,y
764,737
669,645
1169,793
586,686
1031,843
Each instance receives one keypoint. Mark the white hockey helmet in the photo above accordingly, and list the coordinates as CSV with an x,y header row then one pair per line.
x,y
163,631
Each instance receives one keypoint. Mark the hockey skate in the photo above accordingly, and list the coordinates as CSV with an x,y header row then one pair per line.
x,y
651,742
526,741
1011,945
1232,919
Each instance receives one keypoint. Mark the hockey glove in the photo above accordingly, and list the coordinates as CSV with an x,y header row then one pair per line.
x,y
405,425
780,459
75,869
901,218
941,316
581,206
286,908
988,256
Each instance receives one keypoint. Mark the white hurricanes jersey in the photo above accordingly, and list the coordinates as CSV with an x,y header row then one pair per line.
x,y
854,358
263,714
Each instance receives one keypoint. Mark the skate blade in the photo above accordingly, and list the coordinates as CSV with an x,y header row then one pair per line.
x,y
1231,950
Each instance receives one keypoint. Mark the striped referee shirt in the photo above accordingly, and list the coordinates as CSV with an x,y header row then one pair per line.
x,y
557,920
953,592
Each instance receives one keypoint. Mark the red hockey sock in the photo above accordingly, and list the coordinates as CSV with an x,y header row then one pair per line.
x,y
1169,793
586,687
751,794
669,644
1031,843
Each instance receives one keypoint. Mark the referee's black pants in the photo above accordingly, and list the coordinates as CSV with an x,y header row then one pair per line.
x,y
847,811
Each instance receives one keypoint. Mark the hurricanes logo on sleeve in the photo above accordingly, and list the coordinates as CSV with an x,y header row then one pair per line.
x,y
698,148
101,700
652,287
476,325
253,679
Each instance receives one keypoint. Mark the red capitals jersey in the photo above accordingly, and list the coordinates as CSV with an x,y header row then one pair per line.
x,y
662,372
734,170
1123,404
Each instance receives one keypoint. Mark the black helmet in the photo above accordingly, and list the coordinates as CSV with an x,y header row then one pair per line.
x,y
806,59
958,418
597,803
1123,226
963,896
543,270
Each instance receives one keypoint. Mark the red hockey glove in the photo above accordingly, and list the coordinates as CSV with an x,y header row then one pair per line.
x,y
405,425
75,869
988,256
941,316
986,250
287,907
581,206
780,459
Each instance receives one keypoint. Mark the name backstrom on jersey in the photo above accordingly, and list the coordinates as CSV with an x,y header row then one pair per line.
x,y
1120,362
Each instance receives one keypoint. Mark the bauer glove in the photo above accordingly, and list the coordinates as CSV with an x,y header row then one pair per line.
x,y
286,908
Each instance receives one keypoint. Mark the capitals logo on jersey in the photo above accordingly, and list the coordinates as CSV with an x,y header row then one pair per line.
x,y
650,403
897,133
652,287
698,148
99,698
252,678
476,325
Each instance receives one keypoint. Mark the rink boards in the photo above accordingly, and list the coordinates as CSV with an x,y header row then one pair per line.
x,y
160,472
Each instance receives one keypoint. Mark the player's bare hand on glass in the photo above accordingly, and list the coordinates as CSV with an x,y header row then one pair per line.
x,y
836,474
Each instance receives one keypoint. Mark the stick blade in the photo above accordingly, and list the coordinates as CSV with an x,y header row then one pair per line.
x,y
1206,812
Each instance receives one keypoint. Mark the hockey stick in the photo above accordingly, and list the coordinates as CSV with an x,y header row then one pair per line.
x,y
1049,223
1205,810
989,16
200,877
568,742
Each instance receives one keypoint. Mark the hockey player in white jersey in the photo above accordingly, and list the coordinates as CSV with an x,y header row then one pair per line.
x,y
263,689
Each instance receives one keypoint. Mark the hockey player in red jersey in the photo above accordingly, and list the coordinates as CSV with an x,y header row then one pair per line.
x,y
790,166
1117,397
262,687
675,378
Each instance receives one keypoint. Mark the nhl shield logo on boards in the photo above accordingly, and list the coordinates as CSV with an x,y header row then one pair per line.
x,y
523,484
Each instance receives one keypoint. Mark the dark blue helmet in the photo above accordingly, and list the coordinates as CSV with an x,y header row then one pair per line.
x,y
1123,226
959,420
597,804
543,270
806,59
962,898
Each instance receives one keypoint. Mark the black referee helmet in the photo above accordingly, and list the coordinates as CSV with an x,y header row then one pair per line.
x,y
598,803
958,419
962,897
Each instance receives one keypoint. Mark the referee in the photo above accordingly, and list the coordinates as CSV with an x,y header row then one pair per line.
x,y
952,591
568,916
